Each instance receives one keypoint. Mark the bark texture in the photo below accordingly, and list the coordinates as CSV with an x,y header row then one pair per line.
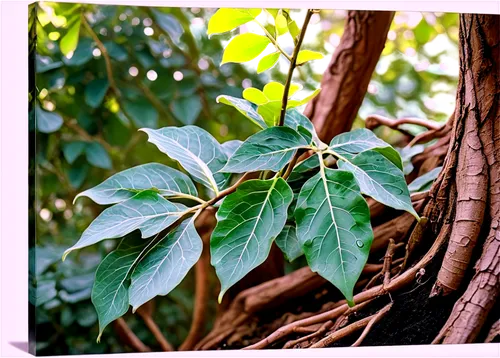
x,y
346,79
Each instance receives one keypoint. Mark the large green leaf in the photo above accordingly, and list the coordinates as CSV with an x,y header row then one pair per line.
x,y
244,48
333,226
230,146
112,279
247,222
379,178
228,19
288,242
360,140
245,107
166,264
154,176
195,149
147,211
269,149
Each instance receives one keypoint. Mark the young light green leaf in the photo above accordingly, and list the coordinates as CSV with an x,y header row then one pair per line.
x,y
274,91
152,176
225,20
69,42
166,264
47,122
195,149
280,24
333,226
270,111
110,290
247,222
295,103
360,140
288,243
230,146
379,178
147,211
244,48
269,149
424,182
255,95
308,55
95,92
246,108
268,61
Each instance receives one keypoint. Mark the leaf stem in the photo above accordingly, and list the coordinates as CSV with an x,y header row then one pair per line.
x,y
293,64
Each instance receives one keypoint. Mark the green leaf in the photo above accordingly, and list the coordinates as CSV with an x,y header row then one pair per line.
x,y
69,42
116,51
308,55
288,243
306,166
360,140
187,109
333,226
73,150
269,149
152,176
110,290
75,297
424,182
244,48
247,222
246,108
97,155
225,20
294,119
146,211
268,61
166,265
95,92
143,114
270,111
47,122
45,291
77,283
82,53
77,175
195,149
379,178
169,24
230,147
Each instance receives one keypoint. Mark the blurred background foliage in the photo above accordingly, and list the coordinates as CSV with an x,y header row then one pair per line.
x,y
163,70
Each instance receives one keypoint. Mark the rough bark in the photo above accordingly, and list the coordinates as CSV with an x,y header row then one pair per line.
x,y
346,79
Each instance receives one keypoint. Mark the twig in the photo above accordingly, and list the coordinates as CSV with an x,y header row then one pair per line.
x,y
291,165
293,63
373,121
414,240
145,311
274,42
129,337
104,53
372,322
324,327
386,270
396,284
343,332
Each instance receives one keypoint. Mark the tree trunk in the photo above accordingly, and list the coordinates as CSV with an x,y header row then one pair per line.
x,y
439,296
346,79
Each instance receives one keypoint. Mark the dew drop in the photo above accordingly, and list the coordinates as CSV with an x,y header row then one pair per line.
x,y
359,243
